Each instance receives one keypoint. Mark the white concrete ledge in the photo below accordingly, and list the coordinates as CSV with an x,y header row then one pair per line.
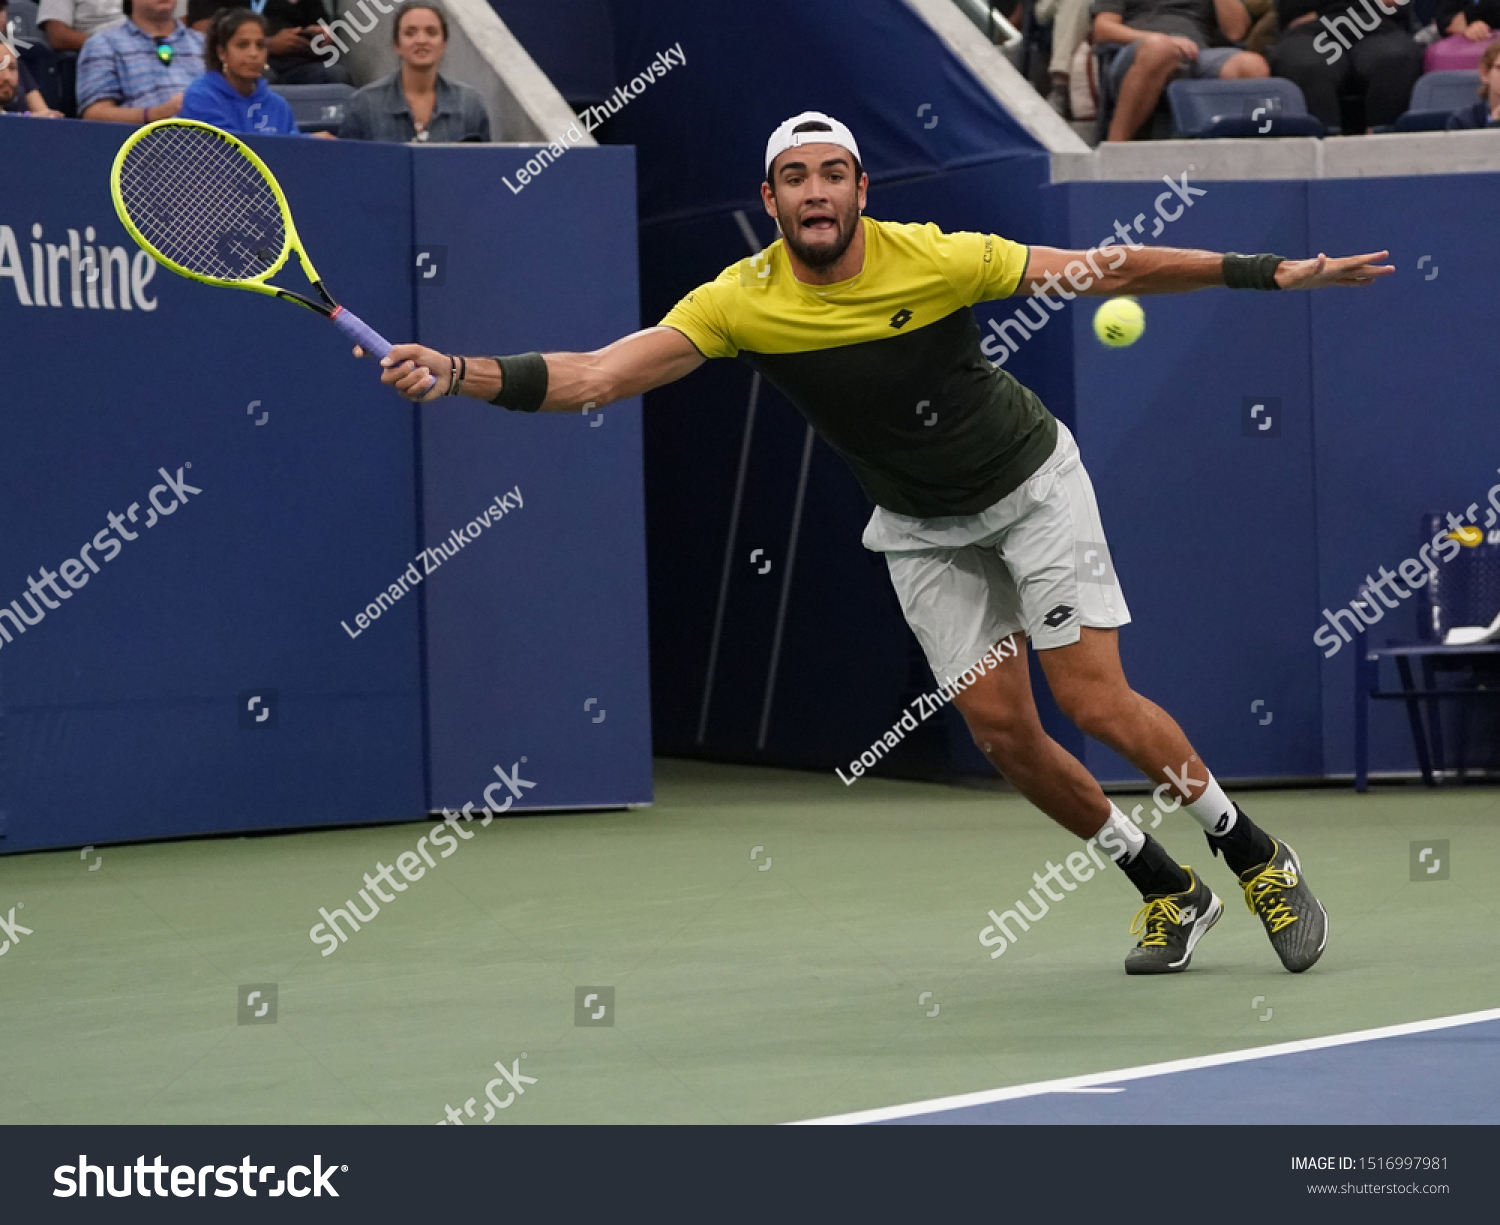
x,y
1337,157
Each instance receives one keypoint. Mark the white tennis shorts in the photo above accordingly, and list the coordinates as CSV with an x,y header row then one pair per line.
x,y
1035,561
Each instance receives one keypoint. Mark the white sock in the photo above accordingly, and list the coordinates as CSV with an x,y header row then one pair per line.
x,y
1213,809
1120,837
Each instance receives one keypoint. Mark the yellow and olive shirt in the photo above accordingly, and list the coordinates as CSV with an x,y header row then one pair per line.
x,y
886,366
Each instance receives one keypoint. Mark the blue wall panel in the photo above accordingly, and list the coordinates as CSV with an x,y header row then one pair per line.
x,y
570,40
1406,412
1212,531
547,609
702,129
119,711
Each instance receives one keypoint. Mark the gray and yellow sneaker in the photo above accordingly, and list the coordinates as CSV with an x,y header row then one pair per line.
x,y
1170,925
1295,920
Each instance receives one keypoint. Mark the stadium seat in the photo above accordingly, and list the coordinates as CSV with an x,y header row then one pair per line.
x,y
1436,96
317,108
1269,106
23,27
1463,592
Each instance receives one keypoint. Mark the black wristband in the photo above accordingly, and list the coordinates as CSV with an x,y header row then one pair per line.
x,y
523,382
1251,271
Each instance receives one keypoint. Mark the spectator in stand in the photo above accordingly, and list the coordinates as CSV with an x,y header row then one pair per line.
x,y
1070,26
1164,39
417,103
1325,48
1471,27
137,71
232,94
68,23
18,92
1485,112
291,25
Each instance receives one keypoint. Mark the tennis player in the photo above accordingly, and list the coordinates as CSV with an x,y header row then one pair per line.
x,y
987,518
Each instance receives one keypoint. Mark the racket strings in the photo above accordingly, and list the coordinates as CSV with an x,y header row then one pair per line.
x,y
199,202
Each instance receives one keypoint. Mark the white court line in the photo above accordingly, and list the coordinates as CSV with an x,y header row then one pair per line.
x,y
1074,1084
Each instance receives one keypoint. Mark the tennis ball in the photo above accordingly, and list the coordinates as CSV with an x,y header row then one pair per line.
x,y
1467,536
1119,322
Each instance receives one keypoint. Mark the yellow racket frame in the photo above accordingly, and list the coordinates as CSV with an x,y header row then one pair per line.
x,y
257,283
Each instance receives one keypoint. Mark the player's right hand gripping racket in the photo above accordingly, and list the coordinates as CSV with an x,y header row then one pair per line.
x,y
202,203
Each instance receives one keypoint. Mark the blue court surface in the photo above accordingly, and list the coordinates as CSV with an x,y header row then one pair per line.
x,y
1445,1070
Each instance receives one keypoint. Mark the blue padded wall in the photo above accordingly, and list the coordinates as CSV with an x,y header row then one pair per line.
x,y
1405,412
570,40
547,609
1212,531
119,711
701,130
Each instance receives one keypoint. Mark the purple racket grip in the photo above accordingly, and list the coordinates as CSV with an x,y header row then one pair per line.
x,y
362,334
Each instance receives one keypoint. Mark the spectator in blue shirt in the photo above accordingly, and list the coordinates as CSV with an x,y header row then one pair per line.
x,y
1485,111
232,93
137,71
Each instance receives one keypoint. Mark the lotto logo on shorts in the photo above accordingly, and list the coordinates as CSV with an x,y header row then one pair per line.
x,y
1057,616
1094,565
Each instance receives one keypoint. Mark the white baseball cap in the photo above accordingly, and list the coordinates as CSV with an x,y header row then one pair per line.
x,y
783,138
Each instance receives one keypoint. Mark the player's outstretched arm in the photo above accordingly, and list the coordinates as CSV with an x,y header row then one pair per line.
x,y
1112,269
574,381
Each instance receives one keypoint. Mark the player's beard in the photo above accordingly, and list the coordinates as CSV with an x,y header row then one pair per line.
x,y
824,255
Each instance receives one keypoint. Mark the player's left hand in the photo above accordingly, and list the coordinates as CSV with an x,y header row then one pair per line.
x,y
1322,272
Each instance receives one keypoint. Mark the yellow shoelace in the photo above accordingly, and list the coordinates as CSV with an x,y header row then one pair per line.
x,y
1263,896
1152,918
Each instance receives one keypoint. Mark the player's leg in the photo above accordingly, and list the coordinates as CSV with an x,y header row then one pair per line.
x,y
961,603
1089,685
1072,604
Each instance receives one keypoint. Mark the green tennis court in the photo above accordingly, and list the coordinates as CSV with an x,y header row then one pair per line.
x,y
770,939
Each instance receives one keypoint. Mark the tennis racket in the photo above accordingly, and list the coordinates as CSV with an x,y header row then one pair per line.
x,y
204,205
